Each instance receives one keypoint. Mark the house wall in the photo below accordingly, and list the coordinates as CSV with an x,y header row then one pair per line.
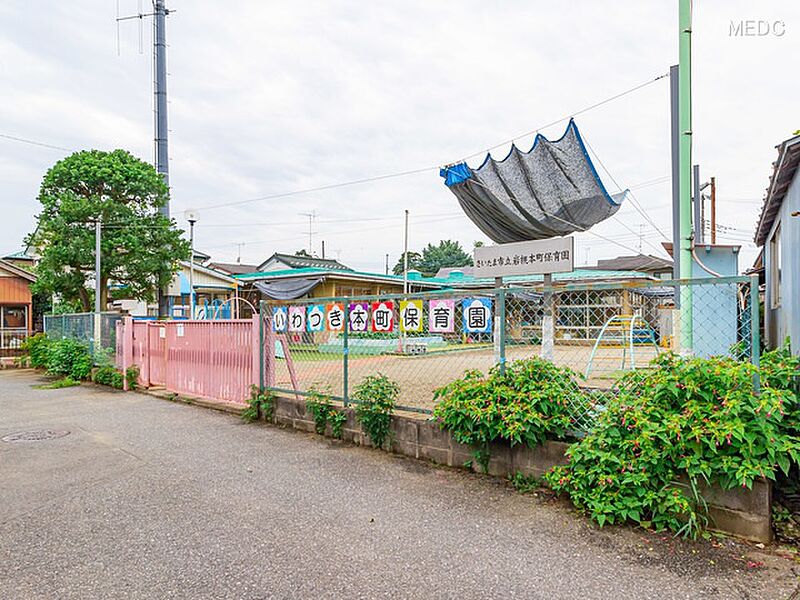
x,y
15,291
784,321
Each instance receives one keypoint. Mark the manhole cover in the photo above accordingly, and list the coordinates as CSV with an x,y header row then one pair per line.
x,y
35,436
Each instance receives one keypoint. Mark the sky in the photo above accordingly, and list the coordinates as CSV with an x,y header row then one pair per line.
x,y
272,98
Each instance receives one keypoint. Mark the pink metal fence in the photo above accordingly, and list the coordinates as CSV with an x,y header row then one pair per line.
x,y
206,359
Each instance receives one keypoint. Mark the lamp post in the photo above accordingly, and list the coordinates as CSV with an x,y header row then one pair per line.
x,y
191,216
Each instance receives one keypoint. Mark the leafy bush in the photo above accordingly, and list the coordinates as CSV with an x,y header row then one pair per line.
x,y
319,405
337,419
532,401
109,376
38,348
376,397
69,357
697,420
260,402
132,376
323,412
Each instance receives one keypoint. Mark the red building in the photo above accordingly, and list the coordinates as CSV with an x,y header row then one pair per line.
x,y
16,306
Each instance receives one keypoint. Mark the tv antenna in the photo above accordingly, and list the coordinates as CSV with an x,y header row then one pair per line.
x,y
159,14
311,216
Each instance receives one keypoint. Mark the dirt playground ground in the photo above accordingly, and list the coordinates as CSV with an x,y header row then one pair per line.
x,y
418,376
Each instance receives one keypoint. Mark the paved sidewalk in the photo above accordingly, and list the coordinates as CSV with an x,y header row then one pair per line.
x,y
146,498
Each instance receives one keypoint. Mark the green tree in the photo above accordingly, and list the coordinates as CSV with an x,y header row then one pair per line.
x,y
140,248
446,253
413,263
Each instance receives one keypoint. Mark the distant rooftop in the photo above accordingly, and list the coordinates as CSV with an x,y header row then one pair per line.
x,y
453,280
300,262
19,255
640,262
233,268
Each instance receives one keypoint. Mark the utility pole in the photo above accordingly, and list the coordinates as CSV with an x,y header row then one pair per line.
x,y
684,253
160,90
697,200
675,135
387,263
192,221
405,256
159,14
713,210
96,338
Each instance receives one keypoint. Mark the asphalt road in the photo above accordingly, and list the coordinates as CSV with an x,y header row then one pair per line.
x,y
149,499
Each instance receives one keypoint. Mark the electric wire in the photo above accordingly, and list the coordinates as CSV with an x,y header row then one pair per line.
x,y
635,202
433,167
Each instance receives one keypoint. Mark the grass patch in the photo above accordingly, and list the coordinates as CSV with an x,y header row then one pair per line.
x,y
58,384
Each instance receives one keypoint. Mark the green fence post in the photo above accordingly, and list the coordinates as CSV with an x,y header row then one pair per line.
x,y
501,315
345,354
261,355
755,332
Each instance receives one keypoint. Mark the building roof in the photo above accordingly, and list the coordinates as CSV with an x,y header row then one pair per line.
x,y
17,271
446,271
640,262
783,173
454,280
301,262
200,255
578,275
339,274
19,255
233,268
209,271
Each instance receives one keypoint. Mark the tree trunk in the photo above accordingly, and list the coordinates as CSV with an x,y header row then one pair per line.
x,y
86,302
103,294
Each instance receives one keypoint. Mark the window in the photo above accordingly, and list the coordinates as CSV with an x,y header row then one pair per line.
x,y
775,259
13,317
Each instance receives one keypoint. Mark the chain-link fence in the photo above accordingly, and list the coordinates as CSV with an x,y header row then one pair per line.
x,y
424,341
85,327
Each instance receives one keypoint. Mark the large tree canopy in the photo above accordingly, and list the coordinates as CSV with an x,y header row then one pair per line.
x,y
446,253
140,248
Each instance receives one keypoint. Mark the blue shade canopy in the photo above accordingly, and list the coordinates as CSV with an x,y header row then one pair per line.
x,y
552,190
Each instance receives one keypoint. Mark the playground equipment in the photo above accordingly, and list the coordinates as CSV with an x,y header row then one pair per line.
x,y
622,331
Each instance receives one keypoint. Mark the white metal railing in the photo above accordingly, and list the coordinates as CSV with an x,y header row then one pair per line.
x,y
13,337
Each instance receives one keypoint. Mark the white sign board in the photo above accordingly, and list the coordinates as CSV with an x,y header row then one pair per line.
x,y
537,257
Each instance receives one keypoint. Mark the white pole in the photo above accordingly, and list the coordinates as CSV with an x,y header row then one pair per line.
x,y
97,235
97,287
405,276
191,269
405,257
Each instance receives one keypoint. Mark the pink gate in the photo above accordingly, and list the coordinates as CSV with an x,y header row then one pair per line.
x,y
207,359
156,354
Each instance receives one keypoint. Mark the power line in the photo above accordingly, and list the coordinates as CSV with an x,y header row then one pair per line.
x,y
433,167
634,200
569,116
333,233
15,138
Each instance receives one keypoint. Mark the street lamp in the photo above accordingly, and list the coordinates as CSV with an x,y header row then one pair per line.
x,y
191,216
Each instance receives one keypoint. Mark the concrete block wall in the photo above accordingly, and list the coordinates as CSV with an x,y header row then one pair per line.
x,y
741,512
